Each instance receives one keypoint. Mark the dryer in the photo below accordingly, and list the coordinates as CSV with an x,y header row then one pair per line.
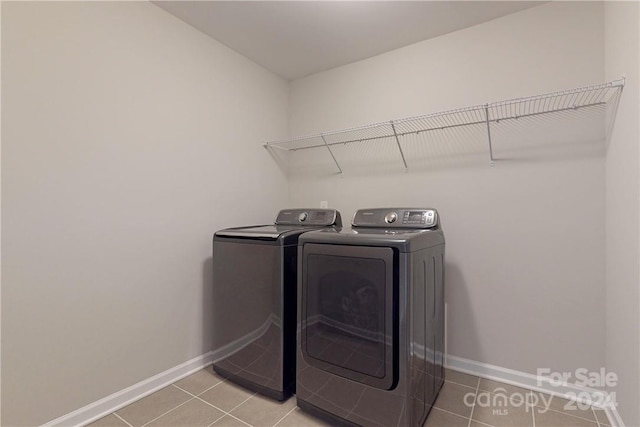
x,y
371,318
254,307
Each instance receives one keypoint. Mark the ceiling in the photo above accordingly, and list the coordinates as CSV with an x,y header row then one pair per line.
x,y
297,38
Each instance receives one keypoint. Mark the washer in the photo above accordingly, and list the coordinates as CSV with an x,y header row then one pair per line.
x,y
371,318
254,300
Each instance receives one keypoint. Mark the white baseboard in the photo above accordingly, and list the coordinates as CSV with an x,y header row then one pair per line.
x,y
122,398
596,398
614,416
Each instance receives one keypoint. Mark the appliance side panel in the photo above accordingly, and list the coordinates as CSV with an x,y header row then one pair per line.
x,y
247,310
418,335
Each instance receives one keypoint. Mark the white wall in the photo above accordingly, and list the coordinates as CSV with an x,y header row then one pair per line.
x,y
525,238
128,138
622,48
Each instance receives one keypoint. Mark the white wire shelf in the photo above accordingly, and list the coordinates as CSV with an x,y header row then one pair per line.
x,y
485,114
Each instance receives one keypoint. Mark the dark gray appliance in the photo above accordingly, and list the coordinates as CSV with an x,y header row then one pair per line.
x,y
254,291
371,318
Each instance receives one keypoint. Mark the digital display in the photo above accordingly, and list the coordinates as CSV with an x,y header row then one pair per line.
x,y
415,216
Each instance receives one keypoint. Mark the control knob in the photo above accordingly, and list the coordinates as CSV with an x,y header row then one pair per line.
x,y
391,217
302,217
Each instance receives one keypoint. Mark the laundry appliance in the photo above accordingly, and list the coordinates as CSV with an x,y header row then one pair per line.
x,y
371,318
254,300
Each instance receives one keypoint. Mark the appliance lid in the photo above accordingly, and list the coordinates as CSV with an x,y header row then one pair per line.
x,y
270,232
289,221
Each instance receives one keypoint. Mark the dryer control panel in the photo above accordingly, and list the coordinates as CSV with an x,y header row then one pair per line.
x,y
309,217
396,218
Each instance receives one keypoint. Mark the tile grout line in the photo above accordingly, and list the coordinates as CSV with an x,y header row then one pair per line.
x,y
206,390
595,416
455,382
224,413
533,409
285,416
474,403
235,407
214,406
181,389
451,413
243,422
227,413
202,400
193,397
171,410
217,419
211,404
122,419
569,414
463,385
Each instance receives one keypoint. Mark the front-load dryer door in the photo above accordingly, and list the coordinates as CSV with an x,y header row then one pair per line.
x,y
349,314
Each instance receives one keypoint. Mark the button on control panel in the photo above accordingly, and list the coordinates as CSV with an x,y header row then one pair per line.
x,y
430,218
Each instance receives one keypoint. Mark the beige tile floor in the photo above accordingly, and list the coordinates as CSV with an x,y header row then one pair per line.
x,y
205,399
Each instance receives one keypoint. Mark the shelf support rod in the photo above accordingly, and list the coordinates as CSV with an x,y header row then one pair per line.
x,y
486,113
331,152
395,134
270,146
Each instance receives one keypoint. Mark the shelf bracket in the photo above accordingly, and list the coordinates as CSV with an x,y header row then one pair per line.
x,y
270,146
395,134
486,114
331,152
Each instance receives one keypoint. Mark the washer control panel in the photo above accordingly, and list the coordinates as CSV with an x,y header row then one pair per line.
x,y
309,217
396,218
